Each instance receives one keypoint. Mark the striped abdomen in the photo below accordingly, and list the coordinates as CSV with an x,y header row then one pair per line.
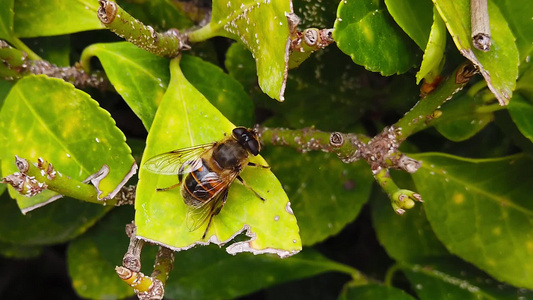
x,y
200,186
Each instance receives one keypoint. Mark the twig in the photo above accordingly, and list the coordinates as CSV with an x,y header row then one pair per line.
x,y
146,287
380,151
167,44
426,110
32,179
479,18
15,64
401,199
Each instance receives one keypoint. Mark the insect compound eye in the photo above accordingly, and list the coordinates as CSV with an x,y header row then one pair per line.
x,y
247,139
253,146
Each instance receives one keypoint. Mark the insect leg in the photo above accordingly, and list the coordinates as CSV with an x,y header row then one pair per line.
x,y
251,164
180,177
249,187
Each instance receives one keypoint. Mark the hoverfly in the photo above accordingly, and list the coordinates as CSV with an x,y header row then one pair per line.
x,y
209,170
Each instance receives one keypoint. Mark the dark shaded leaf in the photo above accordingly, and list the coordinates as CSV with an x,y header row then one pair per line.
x,y
365,31
480,209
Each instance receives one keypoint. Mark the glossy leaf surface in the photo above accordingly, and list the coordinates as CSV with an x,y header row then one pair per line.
x,y
139,77
518,15
48,118
55,223
521,111
460,119
453,279
413,17
224,92
373,291
6,20
261,26
366,32
343,189
434,50
480,209
240,274
499,66
47,17
161,216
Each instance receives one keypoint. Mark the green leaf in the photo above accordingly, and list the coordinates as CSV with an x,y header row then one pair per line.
x,y
35,18
518,15
365,31
141,78
161,216
55,223
413,17
18,251
6,20
46,117
481,208
92,258
434,51
240,65
499,66
326,193
453,279
521,111
373,291
260,25
224,92
240,274
461,119
160,14
408,237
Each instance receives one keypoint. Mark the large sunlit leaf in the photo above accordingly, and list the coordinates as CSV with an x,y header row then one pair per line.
x,y
6,20
141,78
55,223
263,27
241,274
408,237
185,118
326,193
518,15
54,17
461,118
92,258
414,18
521,111
48,118
366,32
224,92
453,279
480,209
373,291
499,66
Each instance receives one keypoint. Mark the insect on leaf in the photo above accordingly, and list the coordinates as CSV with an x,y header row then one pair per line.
x,y
185,118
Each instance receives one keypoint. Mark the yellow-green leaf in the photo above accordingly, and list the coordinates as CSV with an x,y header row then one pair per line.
x,y
185,118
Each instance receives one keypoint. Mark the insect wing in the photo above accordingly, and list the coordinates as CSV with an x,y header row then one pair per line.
x,y
179,161
198,215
